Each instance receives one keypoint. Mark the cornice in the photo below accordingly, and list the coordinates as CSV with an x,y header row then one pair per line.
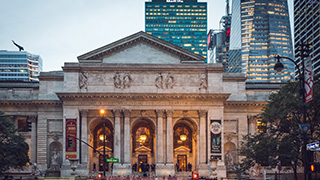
x,y
245,103
146,96
30,102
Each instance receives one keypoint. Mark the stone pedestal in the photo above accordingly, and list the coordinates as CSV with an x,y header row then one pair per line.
x,y
203,170
122,170
54,171
165,170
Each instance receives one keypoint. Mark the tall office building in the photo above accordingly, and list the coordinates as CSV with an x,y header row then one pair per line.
x,y
180,22
19,66
218,41
307,29
265,32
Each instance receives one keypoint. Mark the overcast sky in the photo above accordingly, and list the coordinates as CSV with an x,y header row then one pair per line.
x,y
61,30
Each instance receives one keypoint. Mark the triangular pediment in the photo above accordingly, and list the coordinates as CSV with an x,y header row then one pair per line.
x,y
181,149
143,149
141,48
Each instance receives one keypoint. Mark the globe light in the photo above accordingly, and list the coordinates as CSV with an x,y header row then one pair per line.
x,y
183,137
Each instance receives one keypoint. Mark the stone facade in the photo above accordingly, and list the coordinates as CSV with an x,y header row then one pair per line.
x,y
145,84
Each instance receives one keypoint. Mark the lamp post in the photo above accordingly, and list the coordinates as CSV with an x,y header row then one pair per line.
x,y
278,68
102,114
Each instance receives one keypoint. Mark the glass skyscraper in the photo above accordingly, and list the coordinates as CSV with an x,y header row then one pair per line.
x,y
307,29
265,32
180,22
19,66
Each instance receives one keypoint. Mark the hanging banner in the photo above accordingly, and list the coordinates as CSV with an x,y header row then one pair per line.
x,y
215,129
308,79
71,143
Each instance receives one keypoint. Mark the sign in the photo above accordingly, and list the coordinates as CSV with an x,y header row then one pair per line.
x,y
308,79
112,160
313,146
215,129
71,143
305,127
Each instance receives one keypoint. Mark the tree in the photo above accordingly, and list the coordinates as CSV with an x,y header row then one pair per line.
x,y
13,149
282,139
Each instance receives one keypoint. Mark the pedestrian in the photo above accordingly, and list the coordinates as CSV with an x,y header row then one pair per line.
x,y
94,166
177,166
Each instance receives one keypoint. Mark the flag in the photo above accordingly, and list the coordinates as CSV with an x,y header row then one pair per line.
x,y
308,79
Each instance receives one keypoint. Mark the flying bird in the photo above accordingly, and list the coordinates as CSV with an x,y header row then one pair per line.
x,y
20,47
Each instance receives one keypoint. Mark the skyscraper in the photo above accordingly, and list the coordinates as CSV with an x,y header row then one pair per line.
x,y
265,32
307,29
19,66
180,22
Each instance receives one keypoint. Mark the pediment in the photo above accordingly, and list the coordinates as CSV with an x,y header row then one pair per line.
x,y
141,48
181,149
143,149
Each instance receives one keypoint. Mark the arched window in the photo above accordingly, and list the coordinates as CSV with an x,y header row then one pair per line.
x,y
98,135
142,136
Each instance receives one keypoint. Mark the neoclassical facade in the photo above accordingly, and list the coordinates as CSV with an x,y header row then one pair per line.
x,y
164,107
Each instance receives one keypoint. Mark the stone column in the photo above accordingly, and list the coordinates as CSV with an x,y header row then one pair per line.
x,y
159,136
169,137
116,136
84,136
202,137
127,137
33,147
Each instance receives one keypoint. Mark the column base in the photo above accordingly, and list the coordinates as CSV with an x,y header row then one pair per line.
x,y
165,170
121,170
204,170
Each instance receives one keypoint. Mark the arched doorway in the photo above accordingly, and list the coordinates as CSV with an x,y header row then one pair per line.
x,y
143,145
101,142
184,144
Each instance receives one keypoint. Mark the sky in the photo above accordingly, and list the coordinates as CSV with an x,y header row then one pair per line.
x,y
61,30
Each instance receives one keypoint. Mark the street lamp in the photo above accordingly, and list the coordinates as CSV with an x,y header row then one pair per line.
x,y
278,68
102,113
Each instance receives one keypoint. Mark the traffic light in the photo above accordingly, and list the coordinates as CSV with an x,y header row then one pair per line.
x,y
69,142
29,125
314,167
99,175
195,176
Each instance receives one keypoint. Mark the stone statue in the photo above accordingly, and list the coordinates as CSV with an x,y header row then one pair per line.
x,y
159,81
127,80
83,80
117,80
55,157
228,159
203,81
169,81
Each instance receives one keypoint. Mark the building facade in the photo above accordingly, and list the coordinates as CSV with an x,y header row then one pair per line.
x,y
164,107
19,66
307,29
265,32
180,22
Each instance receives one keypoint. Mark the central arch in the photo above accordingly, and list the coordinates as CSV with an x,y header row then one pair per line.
x,y
143,144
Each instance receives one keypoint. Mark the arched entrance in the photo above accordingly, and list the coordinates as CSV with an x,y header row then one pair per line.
x,y
184,142
143,145
101,142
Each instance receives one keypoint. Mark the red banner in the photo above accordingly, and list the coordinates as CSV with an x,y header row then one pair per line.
x,y
308,79
71,143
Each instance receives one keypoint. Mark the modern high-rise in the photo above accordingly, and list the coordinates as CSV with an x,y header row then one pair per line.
x,y
265,32
180,22
19,66
307,29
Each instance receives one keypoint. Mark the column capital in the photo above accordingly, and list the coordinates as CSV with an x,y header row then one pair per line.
x,y
202,113
116,112
84,112
159,113
169,113
127,112
33,118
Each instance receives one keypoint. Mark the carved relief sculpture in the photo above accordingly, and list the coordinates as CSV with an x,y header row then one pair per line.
x,y
83,80
203,81
117,80
169,81
159,81
127,80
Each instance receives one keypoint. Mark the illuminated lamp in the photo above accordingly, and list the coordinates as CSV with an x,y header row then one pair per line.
x,y
102,111
143,137
183,137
